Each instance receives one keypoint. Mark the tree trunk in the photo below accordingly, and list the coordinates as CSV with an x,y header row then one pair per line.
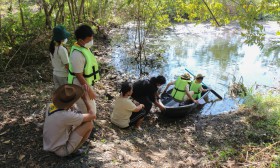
x,y
62,14
47,16
21,14
0,24
81,11
71,13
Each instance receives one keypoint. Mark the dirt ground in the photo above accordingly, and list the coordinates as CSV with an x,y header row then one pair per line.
x,y
186,142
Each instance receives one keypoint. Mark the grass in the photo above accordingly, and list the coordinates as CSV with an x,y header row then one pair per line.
x,y
262,147
264,134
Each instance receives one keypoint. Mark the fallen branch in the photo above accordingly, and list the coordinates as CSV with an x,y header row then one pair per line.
x,y
211,13
266,148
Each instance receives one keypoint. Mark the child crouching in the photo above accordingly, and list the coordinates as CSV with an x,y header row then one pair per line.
x,y
125,112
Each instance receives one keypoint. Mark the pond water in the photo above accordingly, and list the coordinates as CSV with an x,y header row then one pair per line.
x,y
218,53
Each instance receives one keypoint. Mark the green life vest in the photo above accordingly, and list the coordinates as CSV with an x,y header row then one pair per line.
x,y
91,71
195,87
179,91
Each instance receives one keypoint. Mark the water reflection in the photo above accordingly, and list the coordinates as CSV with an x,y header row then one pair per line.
x,y
220,54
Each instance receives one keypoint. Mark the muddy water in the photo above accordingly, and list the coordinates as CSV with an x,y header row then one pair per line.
x,y
218,53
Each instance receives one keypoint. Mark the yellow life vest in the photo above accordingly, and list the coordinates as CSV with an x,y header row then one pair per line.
x,y
195,87
179,91
91,71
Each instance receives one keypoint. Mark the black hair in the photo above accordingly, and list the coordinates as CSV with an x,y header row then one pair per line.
x,y
125,87
52,46
83,32
158,80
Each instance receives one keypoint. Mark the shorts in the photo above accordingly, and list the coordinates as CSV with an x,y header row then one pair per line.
x,y
70,146
80,103
136,116
58,81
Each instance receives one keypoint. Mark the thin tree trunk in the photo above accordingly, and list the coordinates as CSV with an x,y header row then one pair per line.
x,y
60,6
211,13
81,11
62,14
47,16
48,13
0,24
71,14
21,14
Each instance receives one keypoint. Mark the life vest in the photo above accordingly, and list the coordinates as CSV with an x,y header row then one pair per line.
x,y
179,91
195,87
91,71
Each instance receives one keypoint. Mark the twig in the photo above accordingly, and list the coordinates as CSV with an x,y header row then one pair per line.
x,y
268,147
25,57
211,13
11,59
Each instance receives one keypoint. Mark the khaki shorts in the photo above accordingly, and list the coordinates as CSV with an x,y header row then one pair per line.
x,y
80,103
72,143
58,81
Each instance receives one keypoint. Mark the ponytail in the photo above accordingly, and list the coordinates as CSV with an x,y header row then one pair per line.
x,y
52,47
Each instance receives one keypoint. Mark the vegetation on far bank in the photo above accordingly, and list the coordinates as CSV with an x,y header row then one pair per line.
x,y
25,26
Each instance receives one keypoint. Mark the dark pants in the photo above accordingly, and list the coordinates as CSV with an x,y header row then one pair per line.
x,y
147,103
136,116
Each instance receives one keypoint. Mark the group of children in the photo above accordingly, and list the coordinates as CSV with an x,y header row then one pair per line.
x,y
65,129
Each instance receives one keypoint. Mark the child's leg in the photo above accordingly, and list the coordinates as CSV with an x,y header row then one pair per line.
x,y
139,122
76,139
84,130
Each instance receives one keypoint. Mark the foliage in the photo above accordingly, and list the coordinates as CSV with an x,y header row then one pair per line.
x,y
267,110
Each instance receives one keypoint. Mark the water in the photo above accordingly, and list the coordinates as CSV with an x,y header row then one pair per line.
x,y
218,53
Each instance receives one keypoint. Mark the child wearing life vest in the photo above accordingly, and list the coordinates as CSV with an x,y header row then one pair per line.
x,y
196,86
83,66
125,112
181,91
59,56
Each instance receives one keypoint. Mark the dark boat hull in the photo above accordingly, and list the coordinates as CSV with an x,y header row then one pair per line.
x,y
174,109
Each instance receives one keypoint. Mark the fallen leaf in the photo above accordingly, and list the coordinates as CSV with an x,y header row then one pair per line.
x,y
6,142
21,157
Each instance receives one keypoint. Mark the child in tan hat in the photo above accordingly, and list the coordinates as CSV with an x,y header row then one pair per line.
x,y
58,135
196,86
181,91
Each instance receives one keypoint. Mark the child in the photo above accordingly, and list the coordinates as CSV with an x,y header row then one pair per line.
x,y
83,67
59,56
125,112
58,135
196,86
181,91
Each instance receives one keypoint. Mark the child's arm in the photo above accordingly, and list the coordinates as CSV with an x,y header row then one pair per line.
x,y
203,90
170,83
84,83
138,108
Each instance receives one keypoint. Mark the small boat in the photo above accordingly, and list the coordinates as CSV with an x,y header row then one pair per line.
x,y
179,109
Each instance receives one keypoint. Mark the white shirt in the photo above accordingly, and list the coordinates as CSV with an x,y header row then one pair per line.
x,y
78,62
59,59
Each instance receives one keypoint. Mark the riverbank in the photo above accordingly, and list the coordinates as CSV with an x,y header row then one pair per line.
x,y
227,140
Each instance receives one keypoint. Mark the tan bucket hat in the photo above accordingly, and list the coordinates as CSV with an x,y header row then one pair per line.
x,y
199,76
66,95
186,76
